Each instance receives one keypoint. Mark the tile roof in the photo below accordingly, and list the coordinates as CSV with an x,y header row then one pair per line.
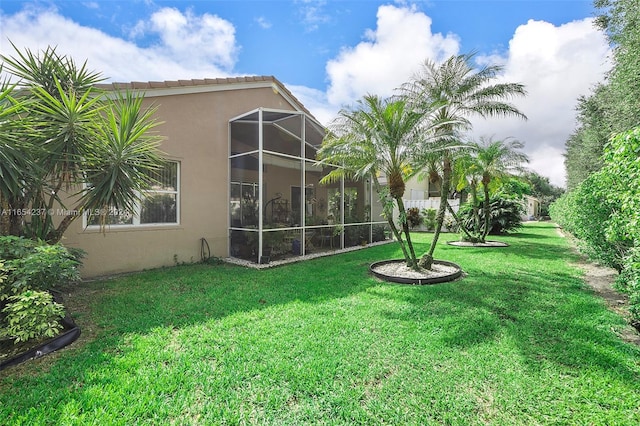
x,y
150,85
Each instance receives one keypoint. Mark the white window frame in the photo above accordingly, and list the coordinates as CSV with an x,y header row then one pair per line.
x,y
138,208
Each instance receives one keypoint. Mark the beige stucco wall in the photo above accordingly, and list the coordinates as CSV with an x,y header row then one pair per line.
x,y
196,134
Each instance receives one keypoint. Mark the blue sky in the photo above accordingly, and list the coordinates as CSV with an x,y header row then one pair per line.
x,y
330,53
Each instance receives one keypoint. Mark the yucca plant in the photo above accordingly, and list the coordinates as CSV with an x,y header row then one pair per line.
x,y
60,133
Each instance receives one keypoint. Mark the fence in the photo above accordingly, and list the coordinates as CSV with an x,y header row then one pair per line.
x,y
431,203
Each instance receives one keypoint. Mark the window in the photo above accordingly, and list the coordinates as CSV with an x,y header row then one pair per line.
x,y
158,205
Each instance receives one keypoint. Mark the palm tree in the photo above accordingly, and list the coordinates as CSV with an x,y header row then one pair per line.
x,y
493,161
380,137
469,177
464,92
73,139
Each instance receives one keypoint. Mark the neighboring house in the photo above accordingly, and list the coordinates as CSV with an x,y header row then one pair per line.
x,y
531,206
420,192
241,181
423,194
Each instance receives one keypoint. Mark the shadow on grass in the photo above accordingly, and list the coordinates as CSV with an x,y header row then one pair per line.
x,y
552,318
544,309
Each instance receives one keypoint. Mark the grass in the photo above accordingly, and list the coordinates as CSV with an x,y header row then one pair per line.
x,y
520,340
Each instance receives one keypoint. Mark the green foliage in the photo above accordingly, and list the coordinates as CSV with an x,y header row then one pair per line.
x,y
414,217
3,272
621,173
505,215
31,315
614,106
28,269
48,266
585,212
429,218
71,136
12,247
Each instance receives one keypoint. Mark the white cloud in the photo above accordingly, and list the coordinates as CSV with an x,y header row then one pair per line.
x,y
557,65
263,22
201,38
388,56
312,13
189,46
315,101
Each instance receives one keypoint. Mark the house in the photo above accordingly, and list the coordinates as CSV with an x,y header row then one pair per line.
x,y
531,208
241,181
424,193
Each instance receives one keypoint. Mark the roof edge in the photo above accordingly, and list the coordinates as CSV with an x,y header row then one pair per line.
x,y
181,87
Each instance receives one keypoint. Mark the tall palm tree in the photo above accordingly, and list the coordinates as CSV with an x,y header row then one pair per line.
x,y
493,161
380,137
464,92
468,177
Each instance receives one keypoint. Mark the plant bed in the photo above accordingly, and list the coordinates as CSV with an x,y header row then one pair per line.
x,y
396,271
13,354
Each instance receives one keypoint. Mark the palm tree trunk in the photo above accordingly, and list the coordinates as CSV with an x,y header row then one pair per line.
x,y
487,212
412,261
389,216
458,221
475,211
55,235
5,223
426,261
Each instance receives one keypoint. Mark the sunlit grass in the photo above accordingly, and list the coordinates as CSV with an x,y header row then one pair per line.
x,y
520,340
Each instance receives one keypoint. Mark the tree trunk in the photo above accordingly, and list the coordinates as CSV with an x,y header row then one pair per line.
x,y
475,208
412,261
459,222
55,235
389,216
426,260
487,212
5,223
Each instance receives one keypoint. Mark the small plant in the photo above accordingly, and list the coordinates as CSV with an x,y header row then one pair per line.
x,y
46,267
429,218
414,217
12,247
30,269
32,315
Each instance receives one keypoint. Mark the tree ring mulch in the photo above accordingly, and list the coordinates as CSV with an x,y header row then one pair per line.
x,y
396,271
470,244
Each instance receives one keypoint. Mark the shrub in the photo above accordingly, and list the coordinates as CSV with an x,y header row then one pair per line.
x,y
429,218
586,213
27,309
603,213
505,215
414,217
32,315
46,267
12,247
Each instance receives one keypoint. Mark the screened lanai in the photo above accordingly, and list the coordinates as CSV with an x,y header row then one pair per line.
x,y
277,206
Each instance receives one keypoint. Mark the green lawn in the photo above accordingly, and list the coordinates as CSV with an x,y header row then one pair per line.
x,y
520,340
